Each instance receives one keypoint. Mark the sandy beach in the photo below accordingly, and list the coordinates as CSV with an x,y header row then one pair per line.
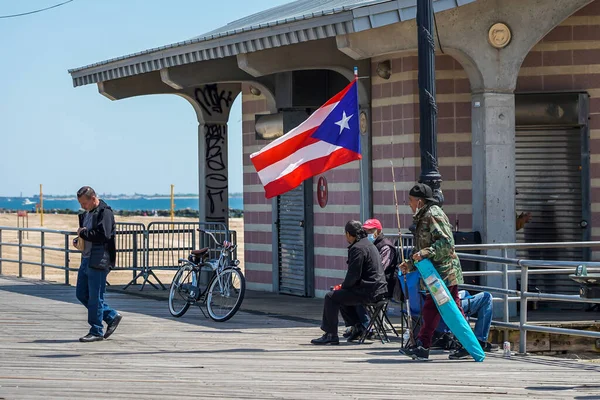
x,y
64,222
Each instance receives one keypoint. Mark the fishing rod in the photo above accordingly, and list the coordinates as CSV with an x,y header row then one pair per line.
x,y
410,328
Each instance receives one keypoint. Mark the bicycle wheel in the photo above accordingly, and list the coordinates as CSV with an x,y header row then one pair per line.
x,y
225,294
179,294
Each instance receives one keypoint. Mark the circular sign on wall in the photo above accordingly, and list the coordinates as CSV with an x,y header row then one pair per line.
x,y
322,192
499,35
363,124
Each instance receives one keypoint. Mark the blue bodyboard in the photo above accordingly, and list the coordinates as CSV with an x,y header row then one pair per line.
x,y
448,309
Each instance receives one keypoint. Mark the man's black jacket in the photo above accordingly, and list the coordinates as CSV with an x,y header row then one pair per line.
x,y
365,273
102,236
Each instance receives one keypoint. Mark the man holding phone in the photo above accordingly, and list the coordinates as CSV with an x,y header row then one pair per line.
x,y
97,232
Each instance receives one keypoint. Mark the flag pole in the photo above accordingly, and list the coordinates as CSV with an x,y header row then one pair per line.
x,y
363,210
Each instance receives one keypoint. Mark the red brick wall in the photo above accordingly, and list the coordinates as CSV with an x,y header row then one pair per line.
x,y
258,222
330,243
395,125
568,58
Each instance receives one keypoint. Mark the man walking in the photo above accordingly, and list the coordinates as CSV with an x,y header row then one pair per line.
x,y
97,230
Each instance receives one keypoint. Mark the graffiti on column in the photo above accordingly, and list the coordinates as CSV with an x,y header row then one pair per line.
x,y
212,100
216,172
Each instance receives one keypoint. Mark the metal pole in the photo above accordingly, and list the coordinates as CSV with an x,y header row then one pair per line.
x,y
20,254
523,317
66,258
41,206
135,256
505,286
0,251
43,255
172,203
427,103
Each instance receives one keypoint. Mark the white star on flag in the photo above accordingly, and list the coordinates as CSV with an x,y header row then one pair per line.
x,y
343,123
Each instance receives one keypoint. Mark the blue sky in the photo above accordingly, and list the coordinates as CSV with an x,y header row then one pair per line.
x,y
65,137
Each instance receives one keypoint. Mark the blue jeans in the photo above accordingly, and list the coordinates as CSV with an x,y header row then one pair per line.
x,y
91,285
479,306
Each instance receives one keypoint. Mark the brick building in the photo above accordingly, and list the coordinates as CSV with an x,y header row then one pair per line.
x,y
519,108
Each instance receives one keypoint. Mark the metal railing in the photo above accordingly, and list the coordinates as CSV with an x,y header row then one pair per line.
x,y
140,249
21,244
167,242
525,268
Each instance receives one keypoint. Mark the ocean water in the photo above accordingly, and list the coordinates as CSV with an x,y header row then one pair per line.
x,y
126,204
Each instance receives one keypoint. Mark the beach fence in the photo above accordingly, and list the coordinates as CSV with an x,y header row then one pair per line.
x,y
141,249
167,242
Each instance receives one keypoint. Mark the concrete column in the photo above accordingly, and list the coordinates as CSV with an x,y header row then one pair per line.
x,y
213,172
493,160
213,104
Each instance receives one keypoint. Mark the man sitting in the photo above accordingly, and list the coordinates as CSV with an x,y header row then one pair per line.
x,y
480,306
364,282
389,262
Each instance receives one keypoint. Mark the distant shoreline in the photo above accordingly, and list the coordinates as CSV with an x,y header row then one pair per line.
x,y
48,197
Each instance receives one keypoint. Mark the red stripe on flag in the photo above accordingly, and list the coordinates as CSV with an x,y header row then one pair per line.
x,y
284,149
309,169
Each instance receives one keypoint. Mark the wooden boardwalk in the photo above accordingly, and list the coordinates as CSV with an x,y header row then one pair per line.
x,y
155,356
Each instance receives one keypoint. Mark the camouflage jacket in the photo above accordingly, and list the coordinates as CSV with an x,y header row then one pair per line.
x,y
433,238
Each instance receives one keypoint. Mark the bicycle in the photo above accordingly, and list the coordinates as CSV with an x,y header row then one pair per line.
x,y
226,287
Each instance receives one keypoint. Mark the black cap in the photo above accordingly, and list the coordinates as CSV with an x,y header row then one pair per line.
x,y
422,191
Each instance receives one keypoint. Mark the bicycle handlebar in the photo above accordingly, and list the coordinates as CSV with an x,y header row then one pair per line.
x,y
209,233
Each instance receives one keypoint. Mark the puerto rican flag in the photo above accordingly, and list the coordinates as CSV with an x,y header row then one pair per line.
x,y
329,138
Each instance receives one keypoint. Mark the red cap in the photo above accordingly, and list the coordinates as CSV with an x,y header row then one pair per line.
x,y
372,223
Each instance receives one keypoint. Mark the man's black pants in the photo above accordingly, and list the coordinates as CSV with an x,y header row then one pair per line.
x,y
344,301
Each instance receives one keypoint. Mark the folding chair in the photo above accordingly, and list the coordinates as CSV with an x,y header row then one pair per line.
x,y
378,321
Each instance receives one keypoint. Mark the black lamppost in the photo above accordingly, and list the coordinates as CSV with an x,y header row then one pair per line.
x,y
427,103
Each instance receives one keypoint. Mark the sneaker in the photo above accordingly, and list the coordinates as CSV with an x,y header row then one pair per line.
x,y
348,331
327,338
460,354
90,338
416,353
110,329
489,347
357,333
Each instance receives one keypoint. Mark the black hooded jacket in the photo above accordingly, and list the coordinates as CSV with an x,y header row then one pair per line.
x,y
102,236
365,274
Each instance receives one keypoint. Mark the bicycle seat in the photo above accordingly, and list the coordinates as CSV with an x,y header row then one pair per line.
x,y
200,252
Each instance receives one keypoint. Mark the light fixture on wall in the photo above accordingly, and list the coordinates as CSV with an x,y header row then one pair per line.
x,y
255,91
384,69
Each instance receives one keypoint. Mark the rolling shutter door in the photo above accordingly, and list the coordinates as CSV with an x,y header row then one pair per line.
x,y
291,243
548,181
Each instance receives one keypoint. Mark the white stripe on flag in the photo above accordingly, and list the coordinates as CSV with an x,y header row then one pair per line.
x,y
293,161
313,121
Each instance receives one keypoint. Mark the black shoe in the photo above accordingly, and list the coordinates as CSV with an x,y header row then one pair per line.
x,y
372,335
459,354
416,353
348,331
90,338
489,347
327,338
110,329
357,333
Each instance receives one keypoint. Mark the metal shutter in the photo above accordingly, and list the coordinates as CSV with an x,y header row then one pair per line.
x,y
548,180
291,246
